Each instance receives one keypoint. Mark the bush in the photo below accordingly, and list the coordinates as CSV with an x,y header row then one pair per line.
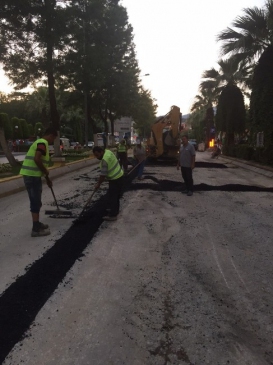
x,y
258,154
262,155
268,155
244,151
5,167
231,150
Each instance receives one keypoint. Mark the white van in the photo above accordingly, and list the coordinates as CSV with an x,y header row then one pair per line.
x,y
64,143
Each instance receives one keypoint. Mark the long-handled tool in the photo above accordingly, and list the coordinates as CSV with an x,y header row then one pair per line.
x,y
135,167
57,211
84,209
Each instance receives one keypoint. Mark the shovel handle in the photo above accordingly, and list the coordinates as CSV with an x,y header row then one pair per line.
x,y
54,197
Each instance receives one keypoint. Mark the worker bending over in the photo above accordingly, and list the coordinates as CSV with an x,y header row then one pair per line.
x,y
34,167
112,171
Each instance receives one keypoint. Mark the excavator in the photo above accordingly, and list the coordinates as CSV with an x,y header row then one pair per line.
x,y
164,141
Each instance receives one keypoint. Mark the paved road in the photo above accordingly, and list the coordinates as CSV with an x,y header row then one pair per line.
x,y
176,280
18,156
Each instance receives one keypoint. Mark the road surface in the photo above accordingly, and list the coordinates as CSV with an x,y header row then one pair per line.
x,y
175,280
20,156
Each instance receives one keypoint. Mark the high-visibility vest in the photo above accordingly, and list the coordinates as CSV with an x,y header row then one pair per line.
x,y
114,169
29,167
121,147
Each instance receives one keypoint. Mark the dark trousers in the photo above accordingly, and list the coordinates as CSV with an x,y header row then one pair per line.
x,y
115,191
187,177
122,158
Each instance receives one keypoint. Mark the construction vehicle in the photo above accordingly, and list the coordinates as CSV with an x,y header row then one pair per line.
x,y
164,141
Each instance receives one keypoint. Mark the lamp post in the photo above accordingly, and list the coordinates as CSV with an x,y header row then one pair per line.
x,y
16,136
39,131
144,125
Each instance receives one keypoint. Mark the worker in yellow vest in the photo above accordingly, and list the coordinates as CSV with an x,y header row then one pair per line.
x,y
111,170
122,155
34,167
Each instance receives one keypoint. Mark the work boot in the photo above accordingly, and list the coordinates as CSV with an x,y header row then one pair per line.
x,y
43,226
109,218
40,232
190,193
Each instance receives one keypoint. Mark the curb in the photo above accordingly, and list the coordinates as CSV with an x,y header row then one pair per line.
x,y
16,184
259,169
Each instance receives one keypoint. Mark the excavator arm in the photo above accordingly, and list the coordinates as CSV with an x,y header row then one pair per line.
x,y
165,133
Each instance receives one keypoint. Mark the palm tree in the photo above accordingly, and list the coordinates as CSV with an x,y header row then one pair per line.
x,y
231,71
230,117
251,40
202,117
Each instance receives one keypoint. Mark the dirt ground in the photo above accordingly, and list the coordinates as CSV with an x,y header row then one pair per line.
x,y
175,280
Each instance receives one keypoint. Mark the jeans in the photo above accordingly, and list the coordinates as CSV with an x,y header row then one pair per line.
x,y
115,191
122,158
33,185
187,177
140,169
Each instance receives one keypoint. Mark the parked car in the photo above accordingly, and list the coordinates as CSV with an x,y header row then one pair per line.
x,y
75,145
90,144
194,143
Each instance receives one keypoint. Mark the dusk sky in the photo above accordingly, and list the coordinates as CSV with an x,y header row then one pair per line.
x,y
175,42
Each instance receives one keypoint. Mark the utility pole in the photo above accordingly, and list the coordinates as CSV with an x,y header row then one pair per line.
x,y
85,83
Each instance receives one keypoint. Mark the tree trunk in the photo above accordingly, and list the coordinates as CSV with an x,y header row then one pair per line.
x,y
6,150
55,118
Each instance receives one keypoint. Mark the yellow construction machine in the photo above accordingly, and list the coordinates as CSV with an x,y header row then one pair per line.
x,y
164,141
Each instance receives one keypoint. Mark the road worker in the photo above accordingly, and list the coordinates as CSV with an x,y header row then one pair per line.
x,y
122,155
112,171
140,157
34,167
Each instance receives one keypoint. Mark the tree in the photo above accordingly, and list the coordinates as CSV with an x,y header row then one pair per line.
x,y
16,128
39,129
101,64
32,33
30,129
37,106
25,130
231,113
4,122
261,106
144,113
203,117
250,39
231,72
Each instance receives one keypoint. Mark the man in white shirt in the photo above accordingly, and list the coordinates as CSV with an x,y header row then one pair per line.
x,y
186,161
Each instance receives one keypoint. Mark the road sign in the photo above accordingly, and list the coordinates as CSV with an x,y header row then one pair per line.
x,y
123,125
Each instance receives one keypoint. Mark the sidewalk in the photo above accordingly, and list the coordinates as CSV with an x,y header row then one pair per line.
x,y
14,184
249,165
20,156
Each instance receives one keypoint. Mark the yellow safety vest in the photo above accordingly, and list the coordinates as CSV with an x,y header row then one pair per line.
x,y
114,169
121,147
29,167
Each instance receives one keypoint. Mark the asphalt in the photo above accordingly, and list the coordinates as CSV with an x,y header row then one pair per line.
x,y
13,185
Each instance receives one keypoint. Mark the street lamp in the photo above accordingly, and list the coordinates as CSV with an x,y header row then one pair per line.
x,y
16,136
39,130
